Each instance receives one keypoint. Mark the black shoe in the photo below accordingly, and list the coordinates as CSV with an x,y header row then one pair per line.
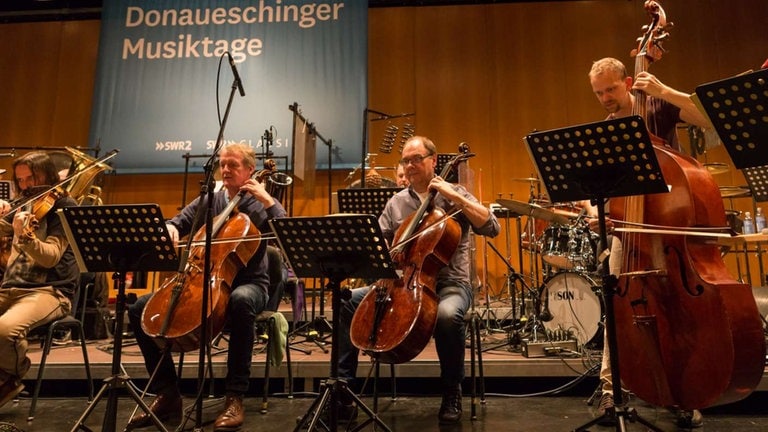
x,y
606,410
450,408
688,419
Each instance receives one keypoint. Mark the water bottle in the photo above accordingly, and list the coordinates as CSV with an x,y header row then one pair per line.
x,y
749,224
759,220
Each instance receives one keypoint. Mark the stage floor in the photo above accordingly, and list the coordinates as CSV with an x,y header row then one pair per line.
x,y
522,393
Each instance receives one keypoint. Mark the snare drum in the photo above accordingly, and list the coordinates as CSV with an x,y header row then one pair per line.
x,y
574,306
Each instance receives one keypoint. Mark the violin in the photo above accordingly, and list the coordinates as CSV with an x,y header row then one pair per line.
x,y
689,335
396,319
173,313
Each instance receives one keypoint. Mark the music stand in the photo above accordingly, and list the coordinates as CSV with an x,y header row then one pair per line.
x,y
444,158
597,161
365,201
5,190
118,238
336,247
735,107
757,179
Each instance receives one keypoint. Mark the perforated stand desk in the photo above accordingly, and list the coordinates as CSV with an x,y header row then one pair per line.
x,y
336,247
119,239
365,201
735,107
597,161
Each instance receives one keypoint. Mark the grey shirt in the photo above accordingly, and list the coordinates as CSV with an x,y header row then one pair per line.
x,y
406,202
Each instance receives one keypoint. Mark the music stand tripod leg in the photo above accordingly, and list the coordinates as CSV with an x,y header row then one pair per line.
x,y
117,380
333,386
620,411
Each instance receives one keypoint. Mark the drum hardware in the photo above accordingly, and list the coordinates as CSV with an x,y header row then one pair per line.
x,y
525,322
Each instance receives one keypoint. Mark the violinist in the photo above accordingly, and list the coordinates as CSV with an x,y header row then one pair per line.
x,y
419,159
248,297
666,107
41,272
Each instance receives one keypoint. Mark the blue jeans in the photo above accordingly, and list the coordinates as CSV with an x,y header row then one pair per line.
x,y
245,302
450,332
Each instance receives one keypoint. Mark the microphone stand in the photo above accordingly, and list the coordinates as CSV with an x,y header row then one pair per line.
x,y
329,143
512,278
206,196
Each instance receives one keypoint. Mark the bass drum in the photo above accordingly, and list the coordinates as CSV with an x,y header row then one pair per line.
x,y
576,309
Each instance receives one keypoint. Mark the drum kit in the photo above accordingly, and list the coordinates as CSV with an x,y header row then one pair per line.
x,y
562,300
560,294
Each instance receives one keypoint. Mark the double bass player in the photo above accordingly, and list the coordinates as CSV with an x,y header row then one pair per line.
x,y
613,87
453,288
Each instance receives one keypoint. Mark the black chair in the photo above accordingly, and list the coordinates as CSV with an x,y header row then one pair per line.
x,y
74,323
278,276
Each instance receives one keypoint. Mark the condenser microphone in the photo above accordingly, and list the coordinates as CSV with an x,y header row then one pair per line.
x,y
237,75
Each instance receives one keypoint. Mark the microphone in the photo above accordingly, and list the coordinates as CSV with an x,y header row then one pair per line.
x,y
237,75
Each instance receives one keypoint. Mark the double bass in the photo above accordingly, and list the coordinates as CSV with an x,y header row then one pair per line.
x,y
688,334
397,317
173,313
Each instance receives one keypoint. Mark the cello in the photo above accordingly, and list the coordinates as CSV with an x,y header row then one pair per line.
x,y
689,335
397,317
173,313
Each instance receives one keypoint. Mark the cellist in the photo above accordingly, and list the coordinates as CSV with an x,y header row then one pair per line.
x,y
247,299
419,159
666,107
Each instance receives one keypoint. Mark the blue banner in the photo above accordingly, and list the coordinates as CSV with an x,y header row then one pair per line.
x,y
163,79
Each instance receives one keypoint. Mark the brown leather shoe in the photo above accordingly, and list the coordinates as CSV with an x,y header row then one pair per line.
x,y
166,407
233,416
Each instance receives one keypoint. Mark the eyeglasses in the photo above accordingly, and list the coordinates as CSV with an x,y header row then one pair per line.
x,y
414,159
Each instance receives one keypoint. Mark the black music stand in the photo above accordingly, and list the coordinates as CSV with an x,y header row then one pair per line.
x,y
735,107
118,238
444,158
597,161
5,190
365,201
336,247
757,179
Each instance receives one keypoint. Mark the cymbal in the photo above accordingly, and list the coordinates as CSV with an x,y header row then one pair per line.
x,y
526,179
717,167
735,191
533,210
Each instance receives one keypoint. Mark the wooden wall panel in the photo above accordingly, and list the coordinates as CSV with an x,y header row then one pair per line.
x,y
484,74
